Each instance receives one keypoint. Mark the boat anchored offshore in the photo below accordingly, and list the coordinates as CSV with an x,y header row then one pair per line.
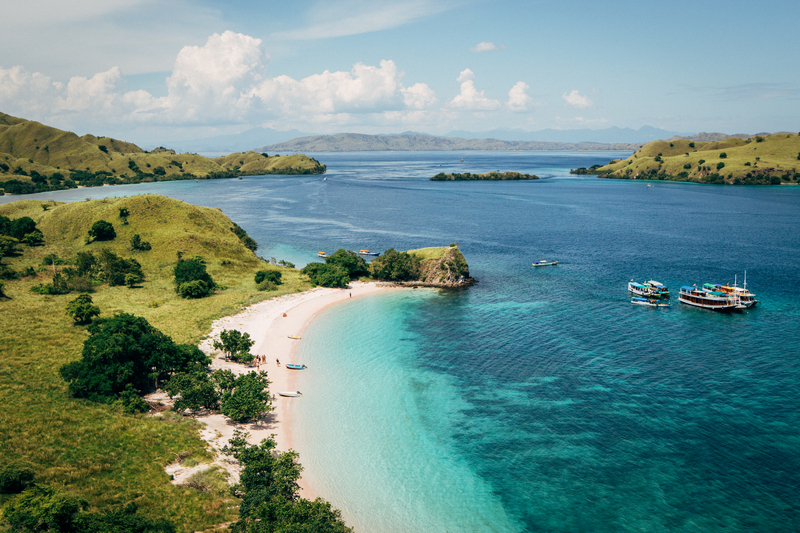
x,y
290,394
367,252
543,263
295,367
652,302
705,299
746,298
322,254
652,289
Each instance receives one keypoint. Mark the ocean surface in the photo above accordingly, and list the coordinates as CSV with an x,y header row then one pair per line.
x,y
540,399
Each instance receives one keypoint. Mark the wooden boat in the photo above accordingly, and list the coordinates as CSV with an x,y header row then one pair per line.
x,y
295,367
543,263
746,298
657,289
638,288
649,302
295,337
367,252
289,394
714,300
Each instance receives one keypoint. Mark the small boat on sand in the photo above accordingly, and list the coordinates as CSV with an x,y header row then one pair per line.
x,y
543,263
295,337
651,302
289,393
295,367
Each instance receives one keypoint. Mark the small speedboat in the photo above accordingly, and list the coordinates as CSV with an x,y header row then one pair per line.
x,y
649,302
295,367
289,393
367,252
544,263
295,337
322,254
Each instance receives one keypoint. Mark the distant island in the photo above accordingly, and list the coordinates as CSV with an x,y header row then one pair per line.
x,y
38,158
489,176
357,142
757,160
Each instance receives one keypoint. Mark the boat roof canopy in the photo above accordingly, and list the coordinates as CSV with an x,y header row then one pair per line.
x,y
687,288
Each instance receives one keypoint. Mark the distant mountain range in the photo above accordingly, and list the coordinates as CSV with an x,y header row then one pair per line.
x,y
357,142
239,142
613,135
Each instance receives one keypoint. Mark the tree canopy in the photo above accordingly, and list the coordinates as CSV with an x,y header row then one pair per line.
x,y
82,310
102,231
191,278
354,264
326,275
125,352
235,345
396,266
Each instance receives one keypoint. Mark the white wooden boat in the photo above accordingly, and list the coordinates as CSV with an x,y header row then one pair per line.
x,y
289,393
544,263
651,302
714,300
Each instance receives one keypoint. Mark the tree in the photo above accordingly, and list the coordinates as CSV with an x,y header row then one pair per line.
x,y
354,264
7,245
269,491
138,244
81,309
188,271
42,508
396,266
34,238
235,345
20,227
115,269
122,352
102,231
720,165
196,388
248,398
15,477
326,275
723,155
268,275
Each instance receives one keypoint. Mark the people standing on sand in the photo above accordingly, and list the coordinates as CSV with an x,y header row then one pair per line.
x,y
278,361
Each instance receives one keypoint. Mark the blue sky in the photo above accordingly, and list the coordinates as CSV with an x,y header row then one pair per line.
x,y
182,69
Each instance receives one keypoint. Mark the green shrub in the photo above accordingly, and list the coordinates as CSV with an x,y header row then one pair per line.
x,y
102,231
16,477
723,155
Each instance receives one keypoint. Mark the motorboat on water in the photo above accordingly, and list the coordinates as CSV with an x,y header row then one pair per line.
x,y
291,366
652,289
367,252
290,394
745,297
322,254
544,262
652,302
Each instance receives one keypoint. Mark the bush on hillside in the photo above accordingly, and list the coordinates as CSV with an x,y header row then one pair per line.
x,y
16,477
123,353
82,310
102,231
188,272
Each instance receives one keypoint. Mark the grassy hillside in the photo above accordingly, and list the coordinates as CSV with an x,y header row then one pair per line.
x,y
35,158
770,159
93,450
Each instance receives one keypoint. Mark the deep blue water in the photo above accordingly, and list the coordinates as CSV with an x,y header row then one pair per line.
x,y
541,397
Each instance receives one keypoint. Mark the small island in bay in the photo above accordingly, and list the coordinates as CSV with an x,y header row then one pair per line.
x,y
489,176
757,160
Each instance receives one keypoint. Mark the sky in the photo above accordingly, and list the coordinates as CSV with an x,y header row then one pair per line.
x,y
145,70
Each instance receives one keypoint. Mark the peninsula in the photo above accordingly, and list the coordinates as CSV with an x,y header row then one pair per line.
x,y
39,158
757,160
116,260
488,176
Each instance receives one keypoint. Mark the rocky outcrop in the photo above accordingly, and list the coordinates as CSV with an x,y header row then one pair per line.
x,y
450,271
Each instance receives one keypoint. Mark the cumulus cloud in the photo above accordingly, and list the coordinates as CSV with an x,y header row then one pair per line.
x,y
222,82
518,99
487,47
574,99
470,98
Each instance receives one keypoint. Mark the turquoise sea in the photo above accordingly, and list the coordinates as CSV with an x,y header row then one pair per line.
x,y
539,399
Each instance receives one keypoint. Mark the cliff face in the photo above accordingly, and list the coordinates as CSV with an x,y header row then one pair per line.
x,y
449,271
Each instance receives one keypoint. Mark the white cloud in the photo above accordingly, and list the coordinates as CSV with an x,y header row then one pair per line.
x,y
574,99
470,98
487,47
518,99
222,82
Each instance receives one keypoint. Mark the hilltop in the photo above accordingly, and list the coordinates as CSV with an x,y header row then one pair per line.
x,y
768,159
36,158
357,142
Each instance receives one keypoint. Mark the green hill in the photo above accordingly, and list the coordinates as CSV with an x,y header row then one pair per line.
x,y
92,450
36,158
769,159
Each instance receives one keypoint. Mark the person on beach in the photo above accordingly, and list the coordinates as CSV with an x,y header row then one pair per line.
x,y
278,361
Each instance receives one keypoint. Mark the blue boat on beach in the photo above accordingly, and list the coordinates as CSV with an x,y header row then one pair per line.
x,y
295,367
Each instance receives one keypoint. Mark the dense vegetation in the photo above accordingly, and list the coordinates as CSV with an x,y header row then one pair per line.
x,y
94,452
759,160
38,158
337,271
490,176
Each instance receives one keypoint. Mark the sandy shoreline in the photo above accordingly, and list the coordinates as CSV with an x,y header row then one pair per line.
x,y
270,329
